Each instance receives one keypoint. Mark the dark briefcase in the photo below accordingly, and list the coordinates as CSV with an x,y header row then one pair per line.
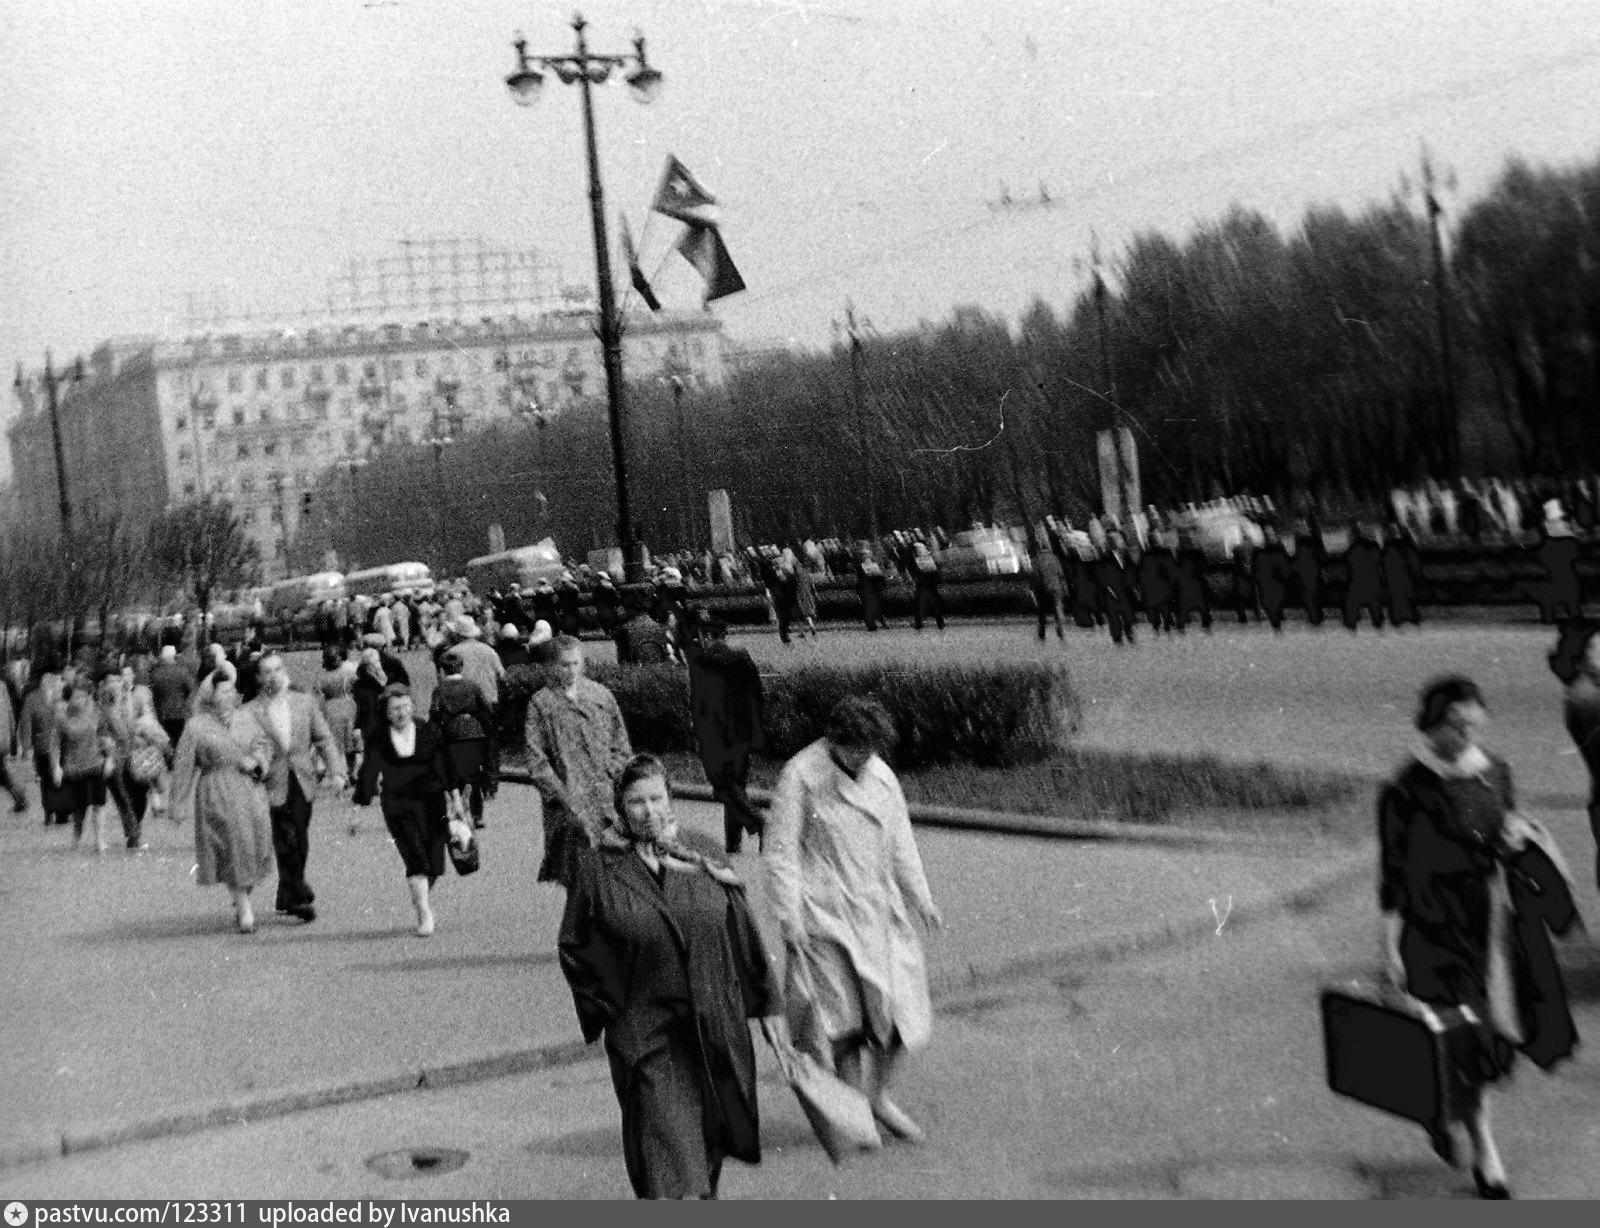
x,y
1397,1054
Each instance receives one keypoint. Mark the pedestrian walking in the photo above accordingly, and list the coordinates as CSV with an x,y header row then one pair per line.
x,y
40,708
1402,576
1115,576
726,707
925,575
140,754
292,739
1470,888
216,787
1194,594
1049,587
1271,571
172,687
1307,567
805,599
577,746
82,759
845,883
467,724
405,765
1363,588
366,690
665,961
9,744
1576,662
1157,577
337,704
870,584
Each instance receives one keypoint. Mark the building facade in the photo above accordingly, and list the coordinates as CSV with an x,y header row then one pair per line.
x,y
258,418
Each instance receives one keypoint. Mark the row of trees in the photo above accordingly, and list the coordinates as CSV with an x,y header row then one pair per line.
x,y
1303,366
192,554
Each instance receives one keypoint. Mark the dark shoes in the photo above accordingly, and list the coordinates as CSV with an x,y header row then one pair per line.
x,y
1444,1145
1493,1190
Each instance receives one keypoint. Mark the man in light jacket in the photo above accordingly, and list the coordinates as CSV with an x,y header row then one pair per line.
x,y
293,733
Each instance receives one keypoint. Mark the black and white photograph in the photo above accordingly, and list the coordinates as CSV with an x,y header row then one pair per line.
x,y
757,599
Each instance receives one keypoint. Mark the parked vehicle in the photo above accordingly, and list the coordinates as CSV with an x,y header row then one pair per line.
x,y
413,579
976,553
526,566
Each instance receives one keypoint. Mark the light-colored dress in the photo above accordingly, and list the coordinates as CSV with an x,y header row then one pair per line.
x,y
845,875
577,747
232,825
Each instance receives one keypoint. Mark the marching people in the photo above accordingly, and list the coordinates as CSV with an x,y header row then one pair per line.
x,y
291,739
846,882
216,787
925,575
870,584
1363,589
665,961
406,766
1402,576
1468,887
1049,586
577,746
467,724
805,599
1115,577
1307,567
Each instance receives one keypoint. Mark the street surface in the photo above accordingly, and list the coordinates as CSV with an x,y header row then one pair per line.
x,y
1193,1071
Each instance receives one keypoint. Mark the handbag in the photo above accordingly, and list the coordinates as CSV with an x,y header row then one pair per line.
x,y
145,763
840,1115
463,849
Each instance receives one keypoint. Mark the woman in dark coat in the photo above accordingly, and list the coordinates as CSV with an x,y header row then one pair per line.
x,y
1468,889
664,958
411,761
367,690
460,712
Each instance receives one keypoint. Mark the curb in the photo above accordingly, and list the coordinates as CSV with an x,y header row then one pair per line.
x,y
1048,827
951,994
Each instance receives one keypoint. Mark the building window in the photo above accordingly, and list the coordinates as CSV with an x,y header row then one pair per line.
x,y
347,407
287,379
269,449
402,434
180,422
448,366
369,370
316,375
297,447
422,368
238,417
235,381
396,369
247,485
266,415
263,379
349,441
209,421
185,455
188,490
697,347
341,373
277,514
399,403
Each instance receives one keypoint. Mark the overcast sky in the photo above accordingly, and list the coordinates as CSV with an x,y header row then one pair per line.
x,y
154,151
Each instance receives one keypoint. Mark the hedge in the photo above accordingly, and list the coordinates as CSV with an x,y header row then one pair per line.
x,y
987,715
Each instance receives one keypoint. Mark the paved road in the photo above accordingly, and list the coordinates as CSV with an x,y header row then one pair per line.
x,y
1194,1074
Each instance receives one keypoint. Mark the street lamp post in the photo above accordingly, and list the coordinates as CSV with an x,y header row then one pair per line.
x,y
587,69
445,428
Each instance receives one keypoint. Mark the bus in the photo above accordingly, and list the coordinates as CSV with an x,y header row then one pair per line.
x,y
401,579
299,593
525,566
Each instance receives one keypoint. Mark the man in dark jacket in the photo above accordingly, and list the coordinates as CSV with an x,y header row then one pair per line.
x,y
1270,570
641,640
1049,587
870,584
1307,567
1402,573
1158,574
1363,587
925,573
1115,574
172,686
725,702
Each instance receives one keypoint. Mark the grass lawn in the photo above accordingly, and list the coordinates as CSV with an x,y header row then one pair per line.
x,y
1201,792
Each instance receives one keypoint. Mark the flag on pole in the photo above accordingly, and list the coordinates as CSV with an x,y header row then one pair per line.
x,y
702,247
635,273
682,196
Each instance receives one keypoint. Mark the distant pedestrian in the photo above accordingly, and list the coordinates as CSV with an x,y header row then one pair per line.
x,y
172,686
216,787
459,713
1194,594
726,705
805,599
1402,576
1116,576
1307,568
925,575
1363,590
1158,576
1049,588
82,759
1271,572
577,745
870,584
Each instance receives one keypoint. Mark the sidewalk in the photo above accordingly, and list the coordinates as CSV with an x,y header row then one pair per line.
x,y
133,1011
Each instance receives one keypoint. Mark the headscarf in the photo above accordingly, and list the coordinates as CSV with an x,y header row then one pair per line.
x,y
619,836
205,698
372,662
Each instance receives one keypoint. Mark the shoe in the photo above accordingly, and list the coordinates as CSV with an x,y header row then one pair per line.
x,y
895,1120
478,825
305,912
1444,1145
247,927
1489,1189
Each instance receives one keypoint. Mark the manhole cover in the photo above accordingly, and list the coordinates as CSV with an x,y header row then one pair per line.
x,y
417,1162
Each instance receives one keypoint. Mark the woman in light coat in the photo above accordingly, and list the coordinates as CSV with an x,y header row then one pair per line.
x,y
846,883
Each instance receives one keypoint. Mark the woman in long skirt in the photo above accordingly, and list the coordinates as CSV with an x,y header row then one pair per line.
x,y
216,785
409,761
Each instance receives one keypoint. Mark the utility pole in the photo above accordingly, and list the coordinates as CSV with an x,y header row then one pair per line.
x,y
1452,425
52,382
857,352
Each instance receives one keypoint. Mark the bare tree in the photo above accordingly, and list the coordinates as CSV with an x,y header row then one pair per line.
x,y
201,549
